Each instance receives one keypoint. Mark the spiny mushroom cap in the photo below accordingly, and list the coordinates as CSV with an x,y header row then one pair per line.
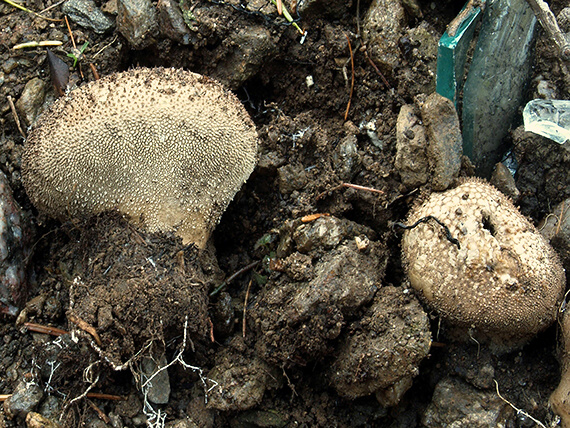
x,y
168,148
504,280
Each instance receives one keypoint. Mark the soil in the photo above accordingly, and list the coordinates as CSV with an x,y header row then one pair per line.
x,y
288,340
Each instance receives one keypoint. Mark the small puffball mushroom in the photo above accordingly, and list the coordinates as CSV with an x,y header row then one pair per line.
x,y
492,274
167,148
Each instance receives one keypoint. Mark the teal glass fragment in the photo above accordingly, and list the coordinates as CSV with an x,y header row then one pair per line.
x,y
452,52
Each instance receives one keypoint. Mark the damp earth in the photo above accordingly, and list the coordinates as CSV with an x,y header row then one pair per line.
x,y
298,312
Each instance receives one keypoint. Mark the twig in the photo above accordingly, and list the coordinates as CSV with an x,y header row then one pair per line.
x,y
378,72
352,186
38,328
519,411
231,278
312,217
4,397
94,71
548,21
85,326
245,305
101,396
352,78
19,6
70,33
15,114
37,44
100,412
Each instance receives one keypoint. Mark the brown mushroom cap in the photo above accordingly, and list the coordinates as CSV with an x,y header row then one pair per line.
x,y
166,147
504,281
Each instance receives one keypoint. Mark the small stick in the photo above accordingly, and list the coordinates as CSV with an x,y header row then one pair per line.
x,y
352,78
211,330
38,44
4,397
101,396
245,306
231,278
548,21
15,114
99,412
18,6
280,7
38,328
70,33
352,186
94,71
313,217
378,72
85,326
560,218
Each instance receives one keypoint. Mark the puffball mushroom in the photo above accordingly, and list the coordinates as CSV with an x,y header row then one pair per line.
x,y
500,279
168,148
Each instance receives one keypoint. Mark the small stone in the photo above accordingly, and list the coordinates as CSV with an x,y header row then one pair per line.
x,y
503,180
249,49
454,403
158,389
35,420
31,100
23,400
411,145
291,177
445,143
86,14
346,157
381,30
171,22
136,20
15,248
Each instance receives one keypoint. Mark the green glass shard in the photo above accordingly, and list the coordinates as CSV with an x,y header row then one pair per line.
x,y
452,51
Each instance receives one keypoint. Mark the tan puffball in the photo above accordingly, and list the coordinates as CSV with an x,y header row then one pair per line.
x,y
504,283
166,147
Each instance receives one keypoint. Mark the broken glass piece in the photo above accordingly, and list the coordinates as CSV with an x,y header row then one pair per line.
x,y
549,118
452,51
496,81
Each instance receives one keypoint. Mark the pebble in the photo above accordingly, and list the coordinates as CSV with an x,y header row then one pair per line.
x,y
381,29
31,100
346,157
251,48
411,145
23,400
15,237
456,403
171,22
159,387
503,180
445,142
86,14
137,22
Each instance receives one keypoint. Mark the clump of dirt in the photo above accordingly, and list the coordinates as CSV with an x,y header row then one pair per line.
x,y
121,279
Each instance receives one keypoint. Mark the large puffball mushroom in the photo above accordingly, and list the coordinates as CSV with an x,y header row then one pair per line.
x,y
167,148
482,266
